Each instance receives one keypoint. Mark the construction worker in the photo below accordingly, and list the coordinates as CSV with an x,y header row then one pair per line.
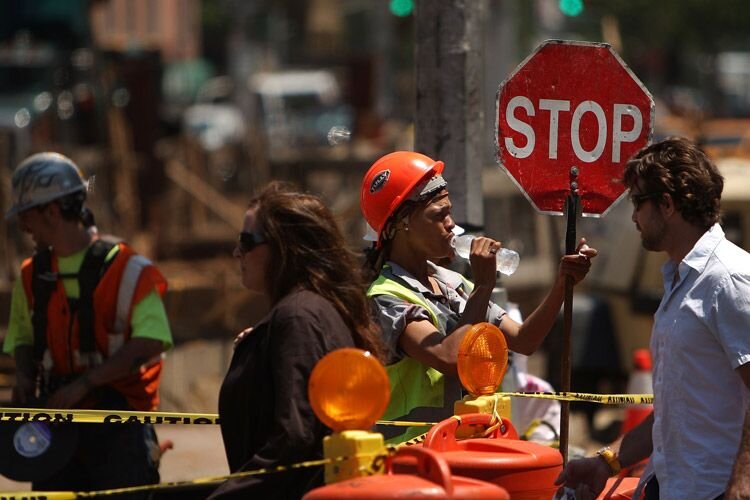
x,y
87,328
423,309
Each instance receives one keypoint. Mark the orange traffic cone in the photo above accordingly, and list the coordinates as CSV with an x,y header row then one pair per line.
x,y
640,382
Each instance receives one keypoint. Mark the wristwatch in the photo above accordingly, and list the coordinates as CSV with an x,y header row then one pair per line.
x,y
610,457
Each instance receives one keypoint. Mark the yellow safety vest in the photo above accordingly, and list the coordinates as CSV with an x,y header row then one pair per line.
x,y
415,387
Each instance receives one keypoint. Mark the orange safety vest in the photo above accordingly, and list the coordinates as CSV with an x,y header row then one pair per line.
x,y
63,358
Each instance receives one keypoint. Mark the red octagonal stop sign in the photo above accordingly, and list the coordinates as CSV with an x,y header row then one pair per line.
x,y
571,104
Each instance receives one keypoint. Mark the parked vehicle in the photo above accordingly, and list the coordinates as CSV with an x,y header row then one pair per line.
x,y
295,110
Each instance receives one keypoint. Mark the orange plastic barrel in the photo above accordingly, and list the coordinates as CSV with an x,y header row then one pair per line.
x,y
526,470
433,479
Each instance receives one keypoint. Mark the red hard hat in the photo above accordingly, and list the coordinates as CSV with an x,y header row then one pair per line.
x,y
390,181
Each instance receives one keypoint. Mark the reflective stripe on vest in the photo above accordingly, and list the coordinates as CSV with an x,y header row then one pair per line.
x,y
415,387
125,293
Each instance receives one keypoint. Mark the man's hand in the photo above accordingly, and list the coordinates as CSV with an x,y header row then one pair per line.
x,y
69,395
577,265
586,476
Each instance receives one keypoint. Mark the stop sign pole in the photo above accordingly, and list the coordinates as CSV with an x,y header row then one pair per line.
x,y
568,118
572,206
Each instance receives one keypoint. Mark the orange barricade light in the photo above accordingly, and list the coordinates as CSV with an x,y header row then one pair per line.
x,y
349,390
482,359
482,362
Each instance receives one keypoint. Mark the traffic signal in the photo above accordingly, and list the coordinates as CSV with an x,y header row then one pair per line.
x,y
571,7
401,8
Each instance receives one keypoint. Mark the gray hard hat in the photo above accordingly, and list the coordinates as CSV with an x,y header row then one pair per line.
x,y
42,178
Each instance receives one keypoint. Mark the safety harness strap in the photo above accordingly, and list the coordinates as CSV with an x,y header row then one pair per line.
x,y
43,283
92,269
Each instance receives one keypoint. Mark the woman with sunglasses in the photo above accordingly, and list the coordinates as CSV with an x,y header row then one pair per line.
x,y
423,309
291,251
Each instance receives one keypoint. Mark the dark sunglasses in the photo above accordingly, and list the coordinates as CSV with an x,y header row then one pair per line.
x,y
248,241
638,199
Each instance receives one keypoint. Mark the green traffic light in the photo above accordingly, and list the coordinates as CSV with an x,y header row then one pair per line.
x,y
571,7
401,8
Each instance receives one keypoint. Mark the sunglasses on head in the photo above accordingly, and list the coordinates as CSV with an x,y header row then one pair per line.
x,y
248,241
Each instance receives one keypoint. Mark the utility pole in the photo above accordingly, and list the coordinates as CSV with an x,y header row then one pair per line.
x,y
449,115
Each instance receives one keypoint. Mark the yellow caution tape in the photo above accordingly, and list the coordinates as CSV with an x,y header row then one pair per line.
x,y
132,417
607,399
73,495
171,418
104,416
39,495
403,423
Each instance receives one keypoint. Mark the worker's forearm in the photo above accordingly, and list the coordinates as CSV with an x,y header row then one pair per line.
x,y
535,328
637,444
475,310
25,366
126,361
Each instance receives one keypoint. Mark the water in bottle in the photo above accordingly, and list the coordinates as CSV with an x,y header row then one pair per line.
x,y
507,259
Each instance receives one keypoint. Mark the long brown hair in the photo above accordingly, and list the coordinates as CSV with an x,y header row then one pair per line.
x,y
307,250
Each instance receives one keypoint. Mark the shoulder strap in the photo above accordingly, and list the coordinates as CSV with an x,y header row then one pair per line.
x,y
43,283
93,267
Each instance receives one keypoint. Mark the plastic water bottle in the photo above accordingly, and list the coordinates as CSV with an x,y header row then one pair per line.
x,y
507,259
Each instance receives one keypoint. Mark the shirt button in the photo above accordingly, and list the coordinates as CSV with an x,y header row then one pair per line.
x,y
658,448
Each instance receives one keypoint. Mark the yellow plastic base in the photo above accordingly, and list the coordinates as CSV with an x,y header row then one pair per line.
x,y
480,404
360,448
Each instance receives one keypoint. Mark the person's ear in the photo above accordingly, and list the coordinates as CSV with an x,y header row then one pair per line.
x,y
666,205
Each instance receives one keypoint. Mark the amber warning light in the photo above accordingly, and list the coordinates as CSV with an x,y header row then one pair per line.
x,y
482,359
349,390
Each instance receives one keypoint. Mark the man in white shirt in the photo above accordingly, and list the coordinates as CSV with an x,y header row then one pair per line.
x,y
701,336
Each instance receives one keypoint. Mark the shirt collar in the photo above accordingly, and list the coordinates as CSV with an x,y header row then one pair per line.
x,y
445,276
698,257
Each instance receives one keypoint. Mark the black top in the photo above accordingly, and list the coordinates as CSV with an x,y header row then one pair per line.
x,y
266,419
